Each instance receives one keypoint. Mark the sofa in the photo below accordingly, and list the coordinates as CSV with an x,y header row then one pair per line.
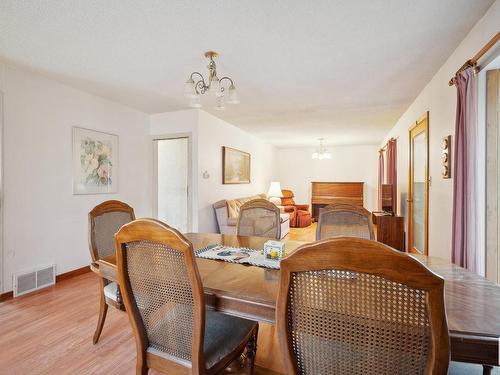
x,y
228,210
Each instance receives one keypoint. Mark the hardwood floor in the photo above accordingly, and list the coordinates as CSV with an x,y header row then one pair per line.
x,y
50,332
303,234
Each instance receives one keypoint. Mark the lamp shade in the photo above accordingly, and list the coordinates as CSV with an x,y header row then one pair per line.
x,y
275,190
232,96
195,102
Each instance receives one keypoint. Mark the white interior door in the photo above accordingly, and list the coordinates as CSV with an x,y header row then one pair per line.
x,y
172,182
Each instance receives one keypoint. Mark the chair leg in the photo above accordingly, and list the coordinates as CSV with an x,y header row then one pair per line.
x,y
141,369
103,309
487,369
250,351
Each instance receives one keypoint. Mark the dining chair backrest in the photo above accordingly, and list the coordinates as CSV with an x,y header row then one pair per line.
x,y
260,218
339,205
344,220
354,306
104,221
162,291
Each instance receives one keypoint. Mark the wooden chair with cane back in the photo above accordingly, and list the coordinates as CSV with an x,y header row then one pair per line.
x,y
104,221
354,306
344,220
165,303
260,218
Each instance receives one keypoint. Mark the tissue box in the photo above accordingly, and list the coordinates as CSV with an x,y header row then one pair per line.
x,y
274,249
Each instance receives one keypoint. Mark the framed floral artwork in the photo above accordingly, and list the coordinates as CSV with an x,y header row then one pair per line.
x,y
95,162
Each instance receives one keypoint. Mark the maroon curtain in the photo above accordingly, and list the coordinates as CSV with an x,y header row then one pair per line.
x,y
380,177
463,250
392,175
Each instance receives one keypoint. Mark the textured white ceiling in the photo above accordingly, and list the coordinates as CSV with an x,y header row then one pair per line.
x,y
342,70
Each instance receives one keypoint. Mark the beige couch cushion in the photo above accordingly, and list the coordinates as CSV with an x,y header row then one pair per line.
x,y
234,205
232,221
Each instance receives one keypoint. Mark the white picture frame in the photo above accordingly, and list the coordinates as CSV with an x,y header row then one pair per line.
x,y
95,162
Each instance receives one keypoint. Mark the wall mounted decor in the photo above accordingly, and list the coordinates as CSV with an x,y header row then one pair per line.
x,y
95,162
446,157
235,166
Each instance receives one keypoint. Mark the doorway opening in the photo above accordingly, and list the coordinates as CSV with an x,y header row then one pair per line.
x,y
171,185
418,190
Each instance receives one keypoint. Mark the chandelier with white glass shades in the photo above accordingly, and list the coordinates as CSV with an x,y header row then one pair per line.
x,y
321,152
196,86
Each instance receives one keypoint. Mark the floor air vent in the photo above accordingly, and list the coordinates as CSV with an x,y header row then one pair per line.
x,y
25,282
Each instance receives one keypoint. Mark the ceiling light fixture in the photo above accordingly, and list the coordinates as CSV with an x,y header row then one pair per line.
x,y
321,153
196,86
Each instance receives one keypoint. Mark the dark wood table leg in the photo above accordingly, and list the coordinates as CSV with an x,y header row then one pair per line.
x,y
487,369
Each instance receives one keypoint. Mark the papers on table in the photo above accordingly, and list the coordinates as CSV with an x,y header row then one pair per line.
x,y
237,255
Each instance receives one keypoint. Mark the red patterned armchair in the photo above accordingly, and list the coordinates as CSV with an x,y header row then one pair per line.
x,y
300,217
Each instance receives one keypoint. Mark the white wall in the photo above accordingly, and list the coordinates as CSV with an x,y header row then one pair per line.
x,y
209,134
213,134
440,100
44,221
295,169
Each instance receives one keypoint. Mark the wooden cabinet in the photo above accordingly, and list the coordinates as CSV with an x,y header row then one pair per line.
x,y
390,230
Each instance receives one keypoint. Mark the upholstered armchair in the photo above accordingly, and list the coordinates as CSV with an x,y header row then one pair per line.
x,y
300,217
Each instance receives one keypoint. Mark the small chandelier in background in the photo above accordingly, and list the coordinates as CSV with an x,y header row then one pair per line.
x,y
196,86
321,153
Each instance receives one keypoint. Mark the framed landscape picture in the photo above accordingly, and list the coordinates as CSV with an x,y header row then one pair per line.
x,y
95,162
235,166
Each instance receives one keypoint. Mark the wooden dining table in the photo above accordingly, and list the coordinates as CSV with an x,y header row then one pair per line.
x,y
472,302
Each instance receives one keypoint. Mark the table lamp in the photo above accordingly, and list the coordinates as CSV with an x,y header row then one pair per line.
x,y
274,193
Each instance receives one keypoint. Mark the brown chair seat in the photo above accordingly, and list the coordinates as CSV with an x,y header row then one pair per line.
x,y
223,335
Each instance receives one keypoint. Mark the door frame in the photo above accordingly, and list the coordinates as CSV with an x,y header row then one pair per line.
x,y
420,126
2,256
161,137
491,83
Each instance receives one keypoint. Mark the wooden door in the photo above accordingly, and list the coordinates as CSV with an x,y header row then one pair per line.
x,y
418,189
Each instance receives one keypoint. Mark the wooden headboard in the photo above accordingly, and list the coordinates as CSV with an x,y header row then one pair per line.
x,y
324,193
